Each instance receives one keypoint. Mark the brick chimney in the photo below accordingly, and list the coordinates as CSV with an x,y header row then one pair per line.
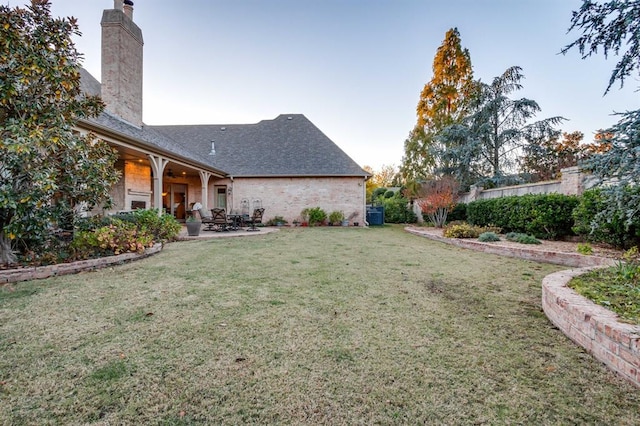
x,y
122,63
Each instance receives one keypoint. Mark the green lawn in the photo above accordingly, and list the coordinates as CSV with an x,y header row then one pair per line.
x,y
303,326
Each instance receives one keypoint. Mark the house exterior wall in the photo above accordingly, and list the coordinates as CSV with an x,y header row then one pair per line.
x,y
287,197
137,183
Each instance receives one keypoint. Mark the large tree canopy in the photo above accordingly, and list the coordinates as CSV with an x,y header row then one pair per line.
x,y
46,167
489,141
443,101
609,26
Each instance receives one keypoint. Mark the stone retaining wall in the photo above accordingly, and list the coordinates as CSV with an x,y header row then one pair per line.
x,y
591,326
39,272
575,260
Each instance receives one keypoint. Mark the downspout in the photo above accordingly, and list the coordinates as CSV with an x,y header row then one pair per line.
x,y
364,201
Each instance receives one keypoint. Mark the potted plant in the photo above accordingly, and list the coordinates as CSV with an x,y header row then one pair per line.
x,y
193,226
336,218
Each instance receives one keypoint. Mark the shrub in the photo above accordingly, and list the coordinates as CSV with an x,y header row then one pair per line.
x,y
398,210
462,230
163,228
317,216
118,237
436,198
543,216
276,220
488,237
521,238
459,213
585,249
336,217
594,220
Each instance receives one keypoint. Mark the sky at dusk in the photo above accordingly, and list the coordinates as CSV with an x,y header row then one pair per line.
x,y
355,68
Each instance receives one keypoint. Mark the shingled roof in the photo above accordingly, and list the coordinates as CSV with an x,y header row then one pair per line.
x,y
289,145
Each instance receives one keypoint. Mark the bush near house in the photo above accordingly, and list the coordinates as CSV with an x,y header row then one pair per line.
x,y
546,216
133,232
317,216
397,209
458,214
600,217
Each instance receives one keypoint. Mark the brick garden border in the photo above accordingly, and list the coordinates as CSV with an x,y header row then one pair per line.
x,y
587,324
39,272
592,326
575,260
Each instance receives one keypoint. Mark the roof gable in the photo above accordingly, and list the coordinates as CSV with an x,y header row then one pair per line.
x,y
289,145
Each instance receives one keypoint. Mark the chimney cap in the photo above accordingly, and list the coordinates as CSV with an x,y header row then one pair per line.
x,y
128,2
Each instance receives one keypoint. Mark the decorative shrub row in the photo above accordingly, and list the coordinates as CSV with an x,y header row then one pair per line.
x,y
131,232
601,218
465,230
546,216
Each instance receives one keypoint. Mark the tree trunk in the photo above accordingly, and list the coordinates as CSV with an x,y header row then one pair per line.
x,y
7,256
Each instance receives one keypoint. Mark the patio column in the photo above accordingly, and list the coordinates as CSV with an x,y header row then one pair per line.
x,y
158,164
204,178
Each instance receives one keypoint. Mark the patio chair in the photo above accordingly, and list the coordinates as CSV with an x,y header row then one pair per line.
x,y
206,219
220,221
255,218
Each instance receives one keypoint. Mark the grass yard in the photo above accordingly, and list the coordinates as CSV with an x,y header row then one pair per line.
x,y
303,326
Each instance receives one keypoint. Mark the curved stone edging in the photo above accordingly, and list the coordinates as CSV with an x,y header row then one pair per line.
x,y
592,326
39,272
575,260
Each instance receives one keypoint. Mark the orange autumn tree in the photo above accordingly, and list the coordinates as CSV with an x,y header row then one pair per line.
x,y
436,198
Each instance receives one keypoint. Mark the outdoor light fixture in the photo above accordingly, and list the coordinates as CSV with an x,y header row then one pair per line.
x,y
169,173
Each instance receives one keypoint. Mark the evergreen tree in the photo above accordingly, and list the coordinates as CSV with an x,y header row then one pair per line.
x,y
443,101
46,168
490,140
609,26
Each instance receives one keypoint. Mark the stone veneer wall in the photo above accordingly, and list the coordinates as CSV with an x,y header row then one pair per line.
x,y
287,197
573,182
591,326
137,183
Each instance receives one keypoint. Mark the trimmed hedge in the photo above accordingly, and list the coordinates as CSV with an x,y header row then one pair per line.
x,y
397,210
599,220
546,216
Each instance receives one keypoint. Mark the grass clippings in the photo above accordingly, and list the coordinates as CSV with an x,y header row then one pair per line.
x,y
304,326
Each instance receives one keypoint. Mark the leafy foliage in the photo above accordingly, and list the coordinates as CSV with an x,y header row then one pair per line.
x,y
616,288
584,248
118,237
489,140
599,218
609,26
546,158
48,171
443,101
521,238
547,216
488,237
336,217
317,216
437,198
397,210
131,232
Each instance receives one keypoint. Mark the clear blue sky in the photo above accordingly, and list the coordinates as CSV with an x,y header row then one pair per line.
x,y
355,68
